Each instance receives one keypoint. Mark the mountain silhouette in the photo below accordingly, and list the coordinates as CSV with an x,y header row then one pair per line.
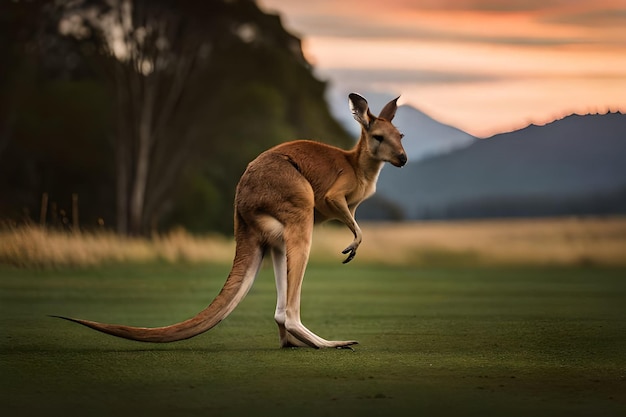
x,y
575,165
426,137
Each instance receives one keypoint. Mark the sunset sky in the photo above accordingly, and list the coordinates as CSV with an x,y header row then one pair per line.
x,y
484,66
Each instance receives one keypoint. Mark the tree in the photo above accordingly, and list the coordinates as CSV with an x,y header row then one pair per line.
x,y
155,54
150,55
196,90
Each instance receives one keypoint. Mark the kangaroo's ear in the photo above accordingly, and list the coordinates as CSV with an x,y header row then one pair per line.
x,y
360,110
389,111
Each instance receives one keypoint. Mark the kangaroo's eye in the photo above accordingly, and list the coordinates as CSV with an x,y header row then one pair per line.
x,y
378,138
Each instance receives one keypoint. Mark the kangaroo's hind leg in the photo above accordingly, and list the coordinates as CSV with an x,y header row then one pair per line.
x,y
279,260
297,244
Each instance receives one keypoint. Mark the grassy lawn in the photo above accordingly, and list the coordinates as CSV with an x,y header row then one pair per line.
x,y
433,341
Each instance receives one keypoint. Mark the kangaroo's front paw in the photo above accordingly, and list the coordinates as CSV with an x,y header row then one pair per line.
x,y
350,249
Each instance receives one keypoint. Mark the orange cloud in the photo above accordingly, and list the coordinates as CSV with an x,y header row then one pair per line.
x,y
481,65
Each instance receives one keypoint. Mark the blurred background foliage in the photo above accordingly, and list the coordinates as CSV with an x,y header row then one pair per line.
x,y
149,111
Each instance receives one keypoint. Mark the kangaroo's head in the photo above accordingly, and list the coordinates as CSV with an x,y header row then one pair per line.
x,y
382,140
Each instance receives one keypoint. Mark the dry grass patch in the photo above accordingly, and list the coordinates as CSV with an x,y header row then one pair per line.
x,y
560,241
32,246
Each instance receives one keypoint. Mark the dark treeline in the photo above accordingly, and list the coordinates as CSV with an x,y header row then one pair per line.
x,y
597,204
147,111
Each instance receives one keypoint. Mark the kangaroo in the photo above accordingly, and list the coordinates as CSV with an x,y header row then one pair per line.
x,y
280,196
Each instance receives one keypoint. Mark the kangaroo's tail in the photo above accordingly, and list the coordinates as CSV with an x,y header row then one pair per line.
x,y
248,258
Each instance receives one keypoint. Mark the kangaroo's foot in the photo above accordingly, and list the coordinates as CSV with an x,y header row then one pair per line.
x,y
300,336
291,342
287,340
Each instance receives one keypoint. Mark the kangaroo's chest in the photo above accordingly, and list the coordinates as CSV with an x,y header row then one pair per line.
x,y
362,191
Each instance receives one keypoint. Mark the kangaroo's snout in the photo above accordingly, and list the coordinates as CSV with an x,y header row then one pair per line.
x,y
401,160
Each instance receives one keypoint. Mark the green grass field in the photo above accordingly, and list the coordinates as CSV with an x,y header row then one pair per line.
x,y
433,341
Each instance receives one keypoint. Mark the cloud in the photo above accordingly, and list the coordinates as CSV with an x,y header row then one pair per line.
x,y
533,30
421,77
339,27
533,23
485,5
481,65
415,77
600,18
375,6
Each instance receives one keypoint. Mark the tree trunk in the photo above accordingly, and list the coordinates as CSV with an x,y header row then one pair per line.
x,y
121,187
145,141
122,152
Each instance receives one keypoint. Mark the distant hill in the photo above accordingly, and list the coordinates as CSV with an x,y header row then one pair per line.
x,y
576,165
424,136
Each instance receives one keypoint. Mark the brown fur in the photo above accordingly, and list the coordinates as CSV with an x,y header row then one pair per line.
x,y
282,193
